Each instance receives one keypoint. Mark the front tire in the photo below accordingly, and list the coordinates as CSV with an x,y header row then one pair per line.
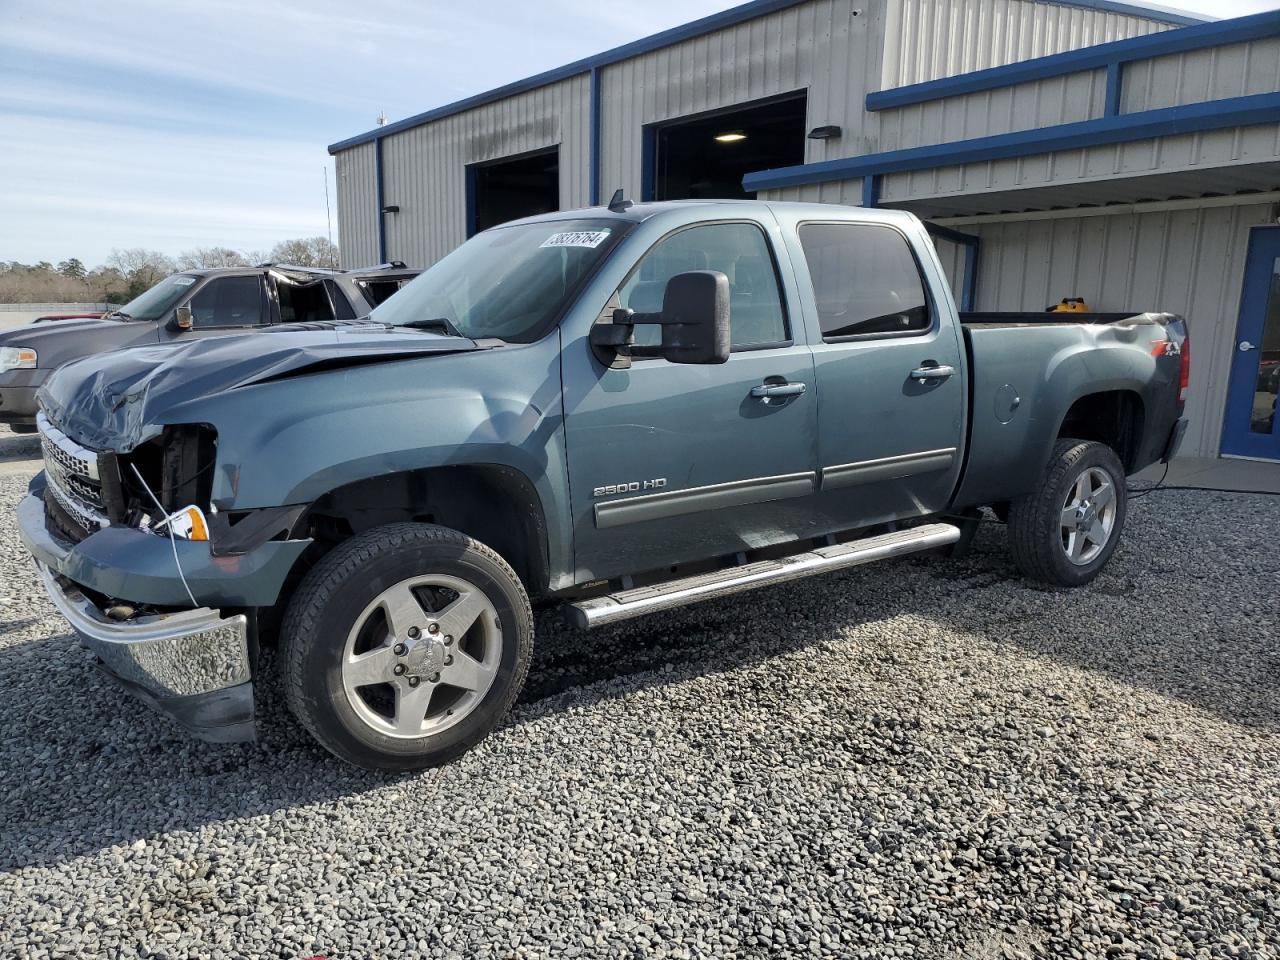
x,y
405,646
1065,532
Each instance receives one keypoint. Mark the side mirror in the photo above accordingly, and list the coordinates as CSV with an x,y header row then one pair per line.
x,y
694,321
695,318
182,319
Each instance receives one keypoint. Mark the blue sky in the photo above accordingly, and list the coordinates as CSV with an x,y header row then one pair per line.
x,y
171,125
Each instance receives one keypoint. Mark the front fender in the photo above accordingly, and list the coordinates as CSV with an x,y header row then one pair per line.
x,y
290,441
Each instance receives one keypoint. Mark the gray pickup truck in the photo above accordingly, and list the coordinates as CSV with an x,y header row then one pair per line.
x,y
194,303
618,410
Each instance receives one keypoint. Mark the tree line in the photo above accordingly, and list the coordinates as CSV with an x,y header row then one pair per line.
x,y
129,272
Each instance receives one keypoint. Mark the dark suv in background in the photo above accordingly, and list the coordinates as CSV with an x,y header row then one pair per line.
x,y
193,303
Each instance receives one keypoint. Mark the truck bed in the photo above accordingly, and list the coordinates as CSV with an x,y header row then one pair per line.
x,y
1017,381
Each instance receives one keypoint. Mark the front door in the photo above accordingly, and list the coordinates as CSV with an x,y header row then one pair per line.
x,y
224,305
676,462
1252,428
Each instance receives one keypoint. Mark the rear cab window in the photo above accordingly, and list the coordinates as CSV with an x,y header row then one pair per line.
x,y
866,281
378,291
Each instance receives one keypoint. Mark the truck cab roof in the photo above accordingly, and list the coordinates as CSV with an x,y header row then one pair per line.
x,y
639,212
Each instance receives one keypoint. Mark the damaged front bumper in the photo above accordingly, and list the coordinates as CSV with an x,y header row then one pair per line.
x,y
192,664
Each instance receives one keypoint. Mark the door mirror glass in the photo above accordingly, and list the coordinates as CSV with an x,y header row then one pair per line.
x,y
182,319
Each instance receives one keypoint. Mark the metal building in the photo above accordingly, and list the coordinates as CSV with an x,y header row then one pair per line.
x,y
1076,148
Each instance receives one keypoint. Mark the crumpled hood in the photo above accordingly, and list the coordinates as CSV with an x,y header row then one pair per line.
x,y
115,401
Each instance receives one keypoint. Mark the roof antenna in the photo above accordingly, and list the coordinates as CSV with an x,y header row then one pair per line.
x,y
619,203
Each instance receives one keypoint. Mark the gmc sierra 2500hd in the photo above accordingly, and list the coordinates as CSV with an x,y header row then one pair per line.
x,y
620,410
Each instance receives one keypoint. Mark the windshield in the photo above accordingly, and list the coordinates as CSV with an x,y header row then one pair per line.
x,y
159,300
511,283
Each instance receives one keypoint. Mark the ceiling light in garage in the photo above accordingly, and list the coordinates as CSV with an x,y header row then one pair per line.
x,y
737,136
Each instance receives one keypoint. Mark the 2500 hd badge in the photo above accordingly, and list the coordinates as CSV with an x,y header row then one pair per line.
x,y
636,485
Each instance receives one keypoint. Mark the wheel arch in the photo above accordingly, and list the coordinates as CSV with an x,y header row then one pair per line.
x,y
494,503
1115,417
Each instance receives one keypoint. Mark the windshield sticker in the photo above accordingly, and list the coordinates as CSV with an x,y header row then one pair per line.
x,y
183,281
582,238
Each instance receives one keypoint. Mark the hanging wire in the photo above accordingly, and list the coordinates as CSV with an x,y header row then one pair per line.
x,y
173,540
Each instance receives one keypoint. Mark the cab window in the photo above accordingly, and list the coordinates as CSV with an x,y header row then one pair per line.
x,y
865,280
738,250
229,302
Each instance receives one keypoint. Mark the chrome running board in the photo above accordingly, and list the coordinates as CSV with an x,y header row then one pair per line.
x,y
625,604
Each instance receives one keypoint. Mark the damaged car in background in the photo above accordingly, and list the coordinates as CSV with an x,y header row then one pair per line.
x,y
190,304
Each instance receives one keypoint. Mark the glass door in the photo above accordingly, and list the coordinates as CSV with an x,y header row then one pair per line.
x,y
1252,428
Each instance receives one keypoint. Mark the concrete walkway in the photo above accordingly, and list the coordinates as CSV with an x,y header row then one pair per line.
x,y
1216,473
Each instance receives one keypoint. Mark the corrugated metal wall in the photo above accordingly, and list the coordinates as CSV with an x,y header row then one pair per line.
x,y
1211,151
1230,71
830,47
357,216
1065,99
1233,70
1189,262
928,39
424,168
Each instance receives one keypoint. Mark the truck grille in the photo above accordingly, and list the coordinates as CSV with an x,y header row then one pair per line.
x,y
74,479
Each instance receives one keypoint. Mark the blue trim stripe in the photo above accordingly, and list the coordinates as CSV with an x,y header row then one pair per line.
x,y
1203,35
594,161
648,164
689,31
380,199
1115,89
969,288
871,191
1188,118
972,244
472,174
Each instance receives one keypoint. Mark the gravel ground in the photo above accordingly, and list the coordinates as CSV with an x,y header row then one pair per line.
x,y
16,452
927,759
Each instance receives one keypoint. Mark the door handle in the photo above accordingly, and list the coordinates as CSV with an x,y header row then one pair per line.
x,y
769,391
1245,346
936,371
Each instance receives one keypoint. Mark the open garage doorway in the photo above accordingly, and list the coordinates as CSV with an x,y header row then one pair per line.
x,y
511,188
705,157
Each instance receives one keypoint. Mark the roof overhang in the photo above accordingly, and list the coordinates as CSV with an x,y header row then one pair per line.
x,y
1197,188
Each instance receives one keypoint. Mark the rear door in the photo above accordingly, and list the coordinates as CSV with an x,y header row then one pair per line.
x,y
889,371
676,462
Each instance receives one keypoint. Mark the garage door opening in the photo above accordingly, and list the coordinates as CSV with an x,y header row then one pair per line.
x,y
706,157
512,188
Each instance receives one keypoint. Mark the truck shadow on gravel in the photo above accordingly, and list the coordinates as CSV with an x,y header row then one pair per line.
x,y
91,769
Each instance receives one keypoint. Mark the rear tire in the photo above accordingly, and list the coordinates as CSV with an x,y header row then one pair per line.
x,y
405,646
1065,532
